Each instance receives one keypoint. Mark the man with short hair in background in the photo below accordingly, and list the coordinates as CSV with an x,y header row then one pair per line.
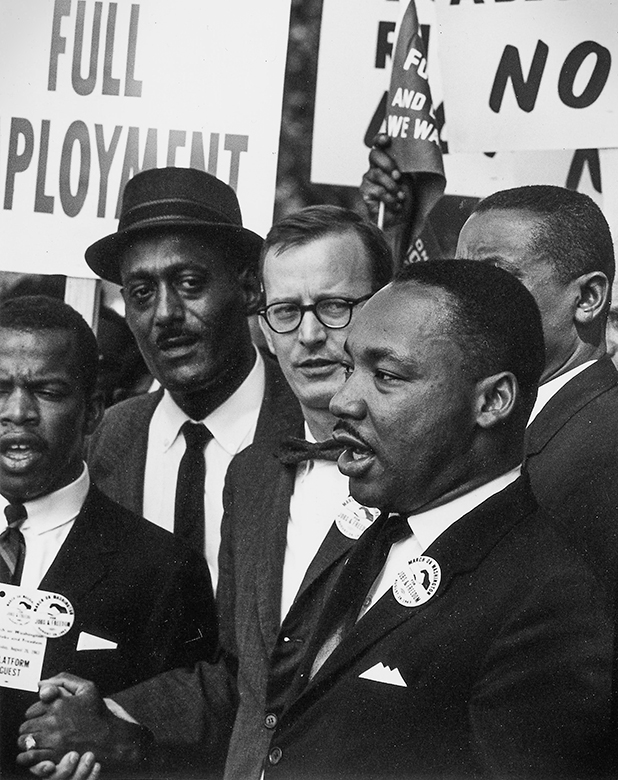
x,y
558,243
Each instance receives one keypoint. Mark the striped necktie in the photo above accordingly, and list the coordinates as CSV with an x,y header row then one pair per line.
x,y
12,545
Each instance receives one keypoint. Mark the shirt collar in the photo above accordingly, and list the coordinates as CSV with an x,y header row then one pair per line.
x,y
549,389
427,526
57,508
229,423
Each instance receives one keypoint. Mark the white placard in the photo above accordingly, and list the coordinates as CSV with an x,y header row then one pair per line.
x,y
352,77
91,92
353,73
522,74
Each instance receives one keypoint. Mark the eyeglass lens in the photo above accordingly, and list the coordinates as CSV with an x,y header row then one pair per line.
x,y
332,312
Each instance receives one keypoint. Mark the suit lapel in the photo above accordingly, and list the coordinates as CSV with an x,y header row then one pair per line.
x,y
127,434
273,512
459,549
84,557
332,549
568,401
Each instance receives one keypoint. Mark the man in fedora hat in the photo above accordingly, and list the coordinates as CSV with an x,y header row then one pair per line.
x,y
188,269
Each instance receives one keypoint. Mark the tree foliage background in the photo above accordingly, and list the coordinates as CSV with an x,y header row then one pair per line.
x,y
294,187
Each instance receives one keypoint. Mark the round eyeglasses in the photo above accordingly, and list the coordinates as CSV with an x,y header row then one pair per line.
x,y
333,313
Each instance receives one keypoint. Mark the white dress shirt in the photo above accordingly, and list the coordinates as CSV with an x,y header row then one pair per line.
x,y
233,427
50,518
548,390
426,527
319,492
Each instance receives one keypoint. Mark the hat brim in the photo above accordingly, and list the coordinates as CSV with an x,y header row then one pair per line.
x,y
103,257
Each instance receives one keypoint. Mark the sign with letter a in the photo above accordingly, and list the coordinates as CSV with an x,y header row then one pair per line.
x,y
92,92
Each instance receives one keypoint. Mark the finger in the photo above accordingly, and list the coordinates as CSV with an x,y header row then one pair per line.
x,y
43,769
382,140
36,719
373,194
35,710
32,757
382,161
70,682
72,767
65,768
87,769
49,692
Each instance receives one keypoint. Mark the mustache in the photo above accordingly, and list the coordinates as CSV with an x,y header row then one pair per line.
x,y
172,332
343,426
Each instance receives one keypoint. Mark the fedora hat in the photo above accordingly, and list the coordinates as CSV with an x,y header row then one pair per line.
x,y
174,198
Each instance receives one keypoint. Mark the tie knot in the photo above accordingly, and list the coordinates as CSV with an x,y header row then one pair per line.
x,y
196,435
396,528
15,514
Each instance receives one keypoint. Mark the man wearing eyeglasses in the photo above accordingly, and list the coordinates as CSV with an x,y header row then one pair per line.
x,y
289,519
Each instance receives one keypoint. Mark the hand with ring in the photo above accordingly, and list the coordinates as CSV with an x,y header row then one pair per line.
x,y
70,731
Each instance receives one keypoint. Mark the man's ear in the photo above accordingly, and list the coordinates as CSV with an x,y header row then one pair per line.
x,y
592,296
251,289
268,334
496,399
95,408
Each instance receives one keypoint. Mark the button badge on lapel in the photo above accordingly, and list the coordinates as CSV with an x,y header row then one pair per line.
x,y
417,582
354,518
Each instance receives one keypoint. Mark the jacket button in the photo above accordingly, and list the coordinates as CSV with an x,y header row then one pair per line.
x,y
270,721
275,755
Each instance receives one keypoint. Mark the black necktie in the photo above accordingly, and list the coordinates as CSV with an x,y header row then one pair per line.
x,y
358,575
189,504
12,545
293,450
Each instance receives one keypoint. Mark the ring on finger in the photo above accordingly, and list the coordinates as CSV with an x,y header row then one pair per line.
x,y
30,742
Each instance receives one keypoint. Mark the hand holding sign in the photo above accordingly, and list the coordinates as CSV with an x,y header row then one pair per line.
x,y
411,124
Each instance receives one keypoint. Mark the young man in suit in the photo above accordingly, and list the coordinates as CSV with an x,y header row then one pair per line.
x,y
475,642
558,243
188,269
139,599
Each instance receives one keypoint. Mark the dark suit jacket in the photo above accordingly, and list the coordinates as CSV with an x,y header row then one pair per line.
x,y
257,504
506,669
117,449
129,582
572,460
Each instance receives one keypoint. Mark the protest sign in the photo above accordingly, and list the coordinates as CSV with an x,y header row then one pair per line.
x,y
410,120
351,87
93,92
521,75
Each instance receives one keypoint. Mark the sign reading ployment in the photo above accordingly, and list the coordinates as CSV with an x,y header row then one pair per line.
x,y
353,78
92,92
529,74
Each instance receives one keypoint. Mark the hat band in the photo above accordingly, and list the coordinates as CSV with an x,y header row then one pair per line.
x,y
174,210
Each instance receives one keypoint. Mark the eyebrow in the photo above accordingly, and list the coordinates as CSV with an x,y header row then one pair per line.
x,y
146,271
376,354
